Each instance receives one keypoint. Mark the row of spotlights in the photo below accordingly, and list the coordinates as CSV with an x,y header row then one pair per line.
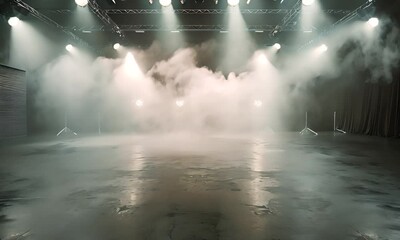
x,y
373,22
277,46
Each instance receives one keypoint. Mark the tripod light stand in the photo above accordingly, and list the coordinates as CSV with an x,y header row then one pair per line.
x,y
335,128
307,129
66,129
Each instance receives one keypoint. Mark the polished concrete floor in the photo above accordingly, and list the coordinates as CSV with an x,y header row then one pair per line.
x,y
187,186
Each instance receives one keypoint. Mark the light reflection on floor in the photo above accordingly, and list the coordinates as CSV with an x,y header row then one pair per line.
x,y
279,186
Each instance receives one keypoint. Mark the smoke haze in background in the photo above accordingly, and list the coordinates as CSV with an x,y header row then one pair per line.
x,y
212,100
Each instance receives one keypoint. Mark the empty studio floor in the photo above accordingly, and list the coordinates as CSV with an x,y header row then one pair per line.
x,y
277,186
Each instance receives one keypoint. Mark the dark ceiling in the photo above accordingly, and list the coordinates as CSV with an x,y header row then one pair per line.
x,y
199,20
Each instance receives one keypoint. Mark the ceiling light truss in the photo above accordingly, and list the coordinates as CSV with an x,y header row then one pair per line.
x,y
49,21
95,8
288,20
200,11
186,28
292,14
353,15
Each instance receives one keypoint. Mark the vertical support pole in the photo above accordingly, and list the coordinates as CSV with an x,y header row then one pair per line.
x,y
306,119
99,122
65,119
334,121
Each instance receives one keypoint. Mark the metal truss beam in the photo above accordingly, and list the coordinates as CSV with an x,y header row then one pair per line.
x,y
188,28
292,14
95,8
201,11
349,17
49,21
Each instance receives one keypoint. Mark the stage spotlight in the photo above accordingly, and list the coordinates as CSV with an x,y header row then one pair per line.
x,y
233,3
69,47
165,3
373,22
308,2
322,48
139,103
258,103
81,3
277,46
117,46
13,21
180,103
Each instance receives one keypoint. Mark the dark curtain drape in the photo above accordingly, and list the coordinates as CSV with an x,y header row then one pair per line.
x,y
372,109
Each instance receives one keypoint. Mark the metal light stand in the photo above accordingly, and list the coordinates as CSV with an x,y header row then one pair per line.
x,y
307,129
99,123
335,128
66,129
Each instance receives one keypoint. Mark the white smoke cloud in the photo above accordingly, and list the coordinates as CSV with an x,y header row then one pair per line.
x,y
258,99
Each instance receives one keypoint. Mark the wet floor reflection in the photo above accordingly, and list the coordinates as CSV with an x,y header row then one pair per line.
x,y
274,187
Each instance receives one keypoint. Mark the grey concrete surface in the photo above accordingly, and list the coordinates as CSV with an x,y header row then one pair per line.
x,y
188,186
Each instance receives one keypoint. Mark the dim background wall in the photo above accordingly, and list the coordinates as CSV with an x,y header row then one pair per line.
x,y
12,102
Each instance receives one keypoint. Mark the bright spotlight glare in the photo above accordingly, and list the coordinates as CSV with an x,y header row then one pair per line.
x,y
165,3
277,46
180,103
233,2
373,22
13,21
117,46
69,47
139,103
81,3
322,48
258,103
308,2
